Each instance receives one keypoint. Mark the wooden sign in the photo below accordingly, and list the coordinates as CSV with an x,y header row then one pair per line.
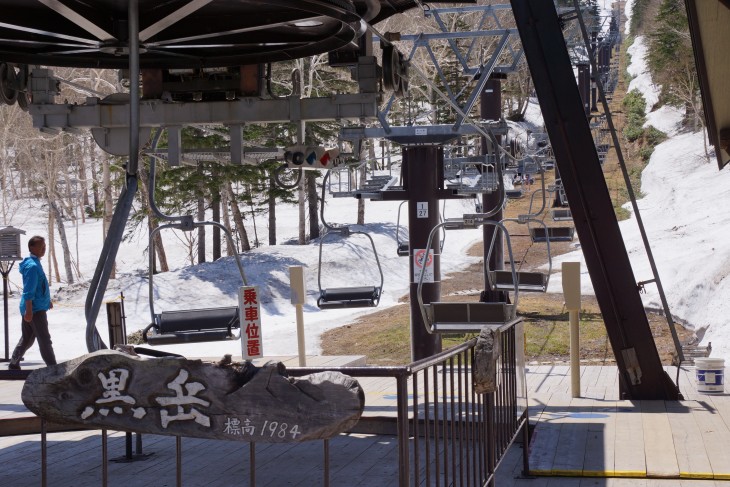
x,y
177,396
252,340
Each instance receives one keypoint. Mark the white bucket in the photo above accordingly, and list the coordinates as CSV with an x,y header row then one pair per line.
x,y
710,374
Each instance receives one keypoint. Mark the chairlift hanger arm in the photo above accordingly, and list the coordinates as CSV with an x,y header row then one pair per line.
x,y
344,231
151,252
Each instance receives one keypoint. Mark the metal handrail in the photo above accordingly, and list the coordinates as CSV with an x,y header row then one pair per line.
x,y
448,434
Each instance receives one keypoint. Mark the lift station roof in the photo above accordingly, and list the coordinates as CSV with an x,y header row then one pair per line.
x,y
183,33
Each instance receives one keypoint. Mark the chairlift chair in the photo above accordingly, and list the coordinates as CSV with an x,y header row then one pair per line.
x,y
352,296
562,214
544,233
344,184
470,317
552,234
192,325
527,281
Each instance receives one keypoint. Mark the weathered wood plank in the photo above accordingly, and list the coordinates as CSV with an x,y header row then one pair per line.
x,y
572,442
690,449
629,445
600,445
715,434
546,436
661,458
177,396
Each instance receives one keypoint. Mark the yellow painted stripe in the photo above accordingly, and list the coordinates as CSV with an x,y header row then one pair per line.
x,y
637,474
599,473
641,474
697,475
567,473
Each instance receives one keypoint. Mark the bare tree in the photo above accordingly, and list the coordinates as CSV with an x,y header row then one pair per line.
x,y
152,222
238,219
225,204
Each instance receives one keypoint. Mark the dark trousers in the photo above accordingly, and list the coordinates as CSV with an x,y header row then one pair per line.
x,y
37,328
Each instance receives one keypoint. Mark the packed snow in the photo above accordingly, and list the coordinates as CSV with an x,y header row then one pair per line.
x,y
346,262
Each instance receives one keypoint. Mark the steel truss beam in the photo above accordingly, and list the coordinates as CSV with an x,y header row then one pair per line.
x,y
95,113
640,369
504,57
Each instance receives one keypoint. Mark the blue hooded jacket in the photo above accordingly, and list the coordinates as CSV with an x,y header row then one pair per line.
x,y
35,285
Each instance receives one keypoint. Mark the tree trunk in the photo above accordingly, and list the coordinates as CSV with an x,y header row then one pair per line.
x,y
201,217
313,200
363,176
215,201
238,220
272,209
230,249
302,212
152,223
94,175
52,261
83,182
106,185
256,242
64,241
108,204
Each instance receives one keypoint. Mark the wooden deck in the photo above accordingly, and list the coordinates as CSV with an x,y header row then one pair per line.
x,y
598,435
577,443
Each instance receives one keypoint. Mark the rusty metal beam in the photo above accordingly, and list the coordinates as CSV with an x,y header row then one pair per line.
x,y
641,373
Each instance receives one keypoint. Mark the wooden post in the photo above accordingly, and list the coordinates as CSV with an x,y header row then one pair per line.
x,y
571,291
298,295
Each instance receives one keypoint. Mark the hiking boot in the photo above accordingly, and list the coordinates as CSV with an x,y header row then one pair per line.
x,y
12,366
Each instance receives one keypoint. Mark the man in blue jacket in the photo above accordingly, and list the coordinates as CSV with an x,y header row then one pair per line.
x,y
34,303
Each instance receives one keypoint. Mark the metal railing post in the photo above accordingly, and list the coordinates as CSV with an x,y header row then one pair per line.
x,y
404,469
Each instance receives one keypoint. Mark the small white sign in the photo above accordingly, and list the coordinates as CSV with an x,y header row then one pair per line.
x,y
422,209
421,259
421,131
249,307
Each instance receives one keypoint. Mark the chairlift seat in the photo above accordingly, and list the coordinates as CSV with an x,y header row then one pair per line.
x,y
468,317
195,325
562,197
526,281
554,234
404,249
562,215
349,297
